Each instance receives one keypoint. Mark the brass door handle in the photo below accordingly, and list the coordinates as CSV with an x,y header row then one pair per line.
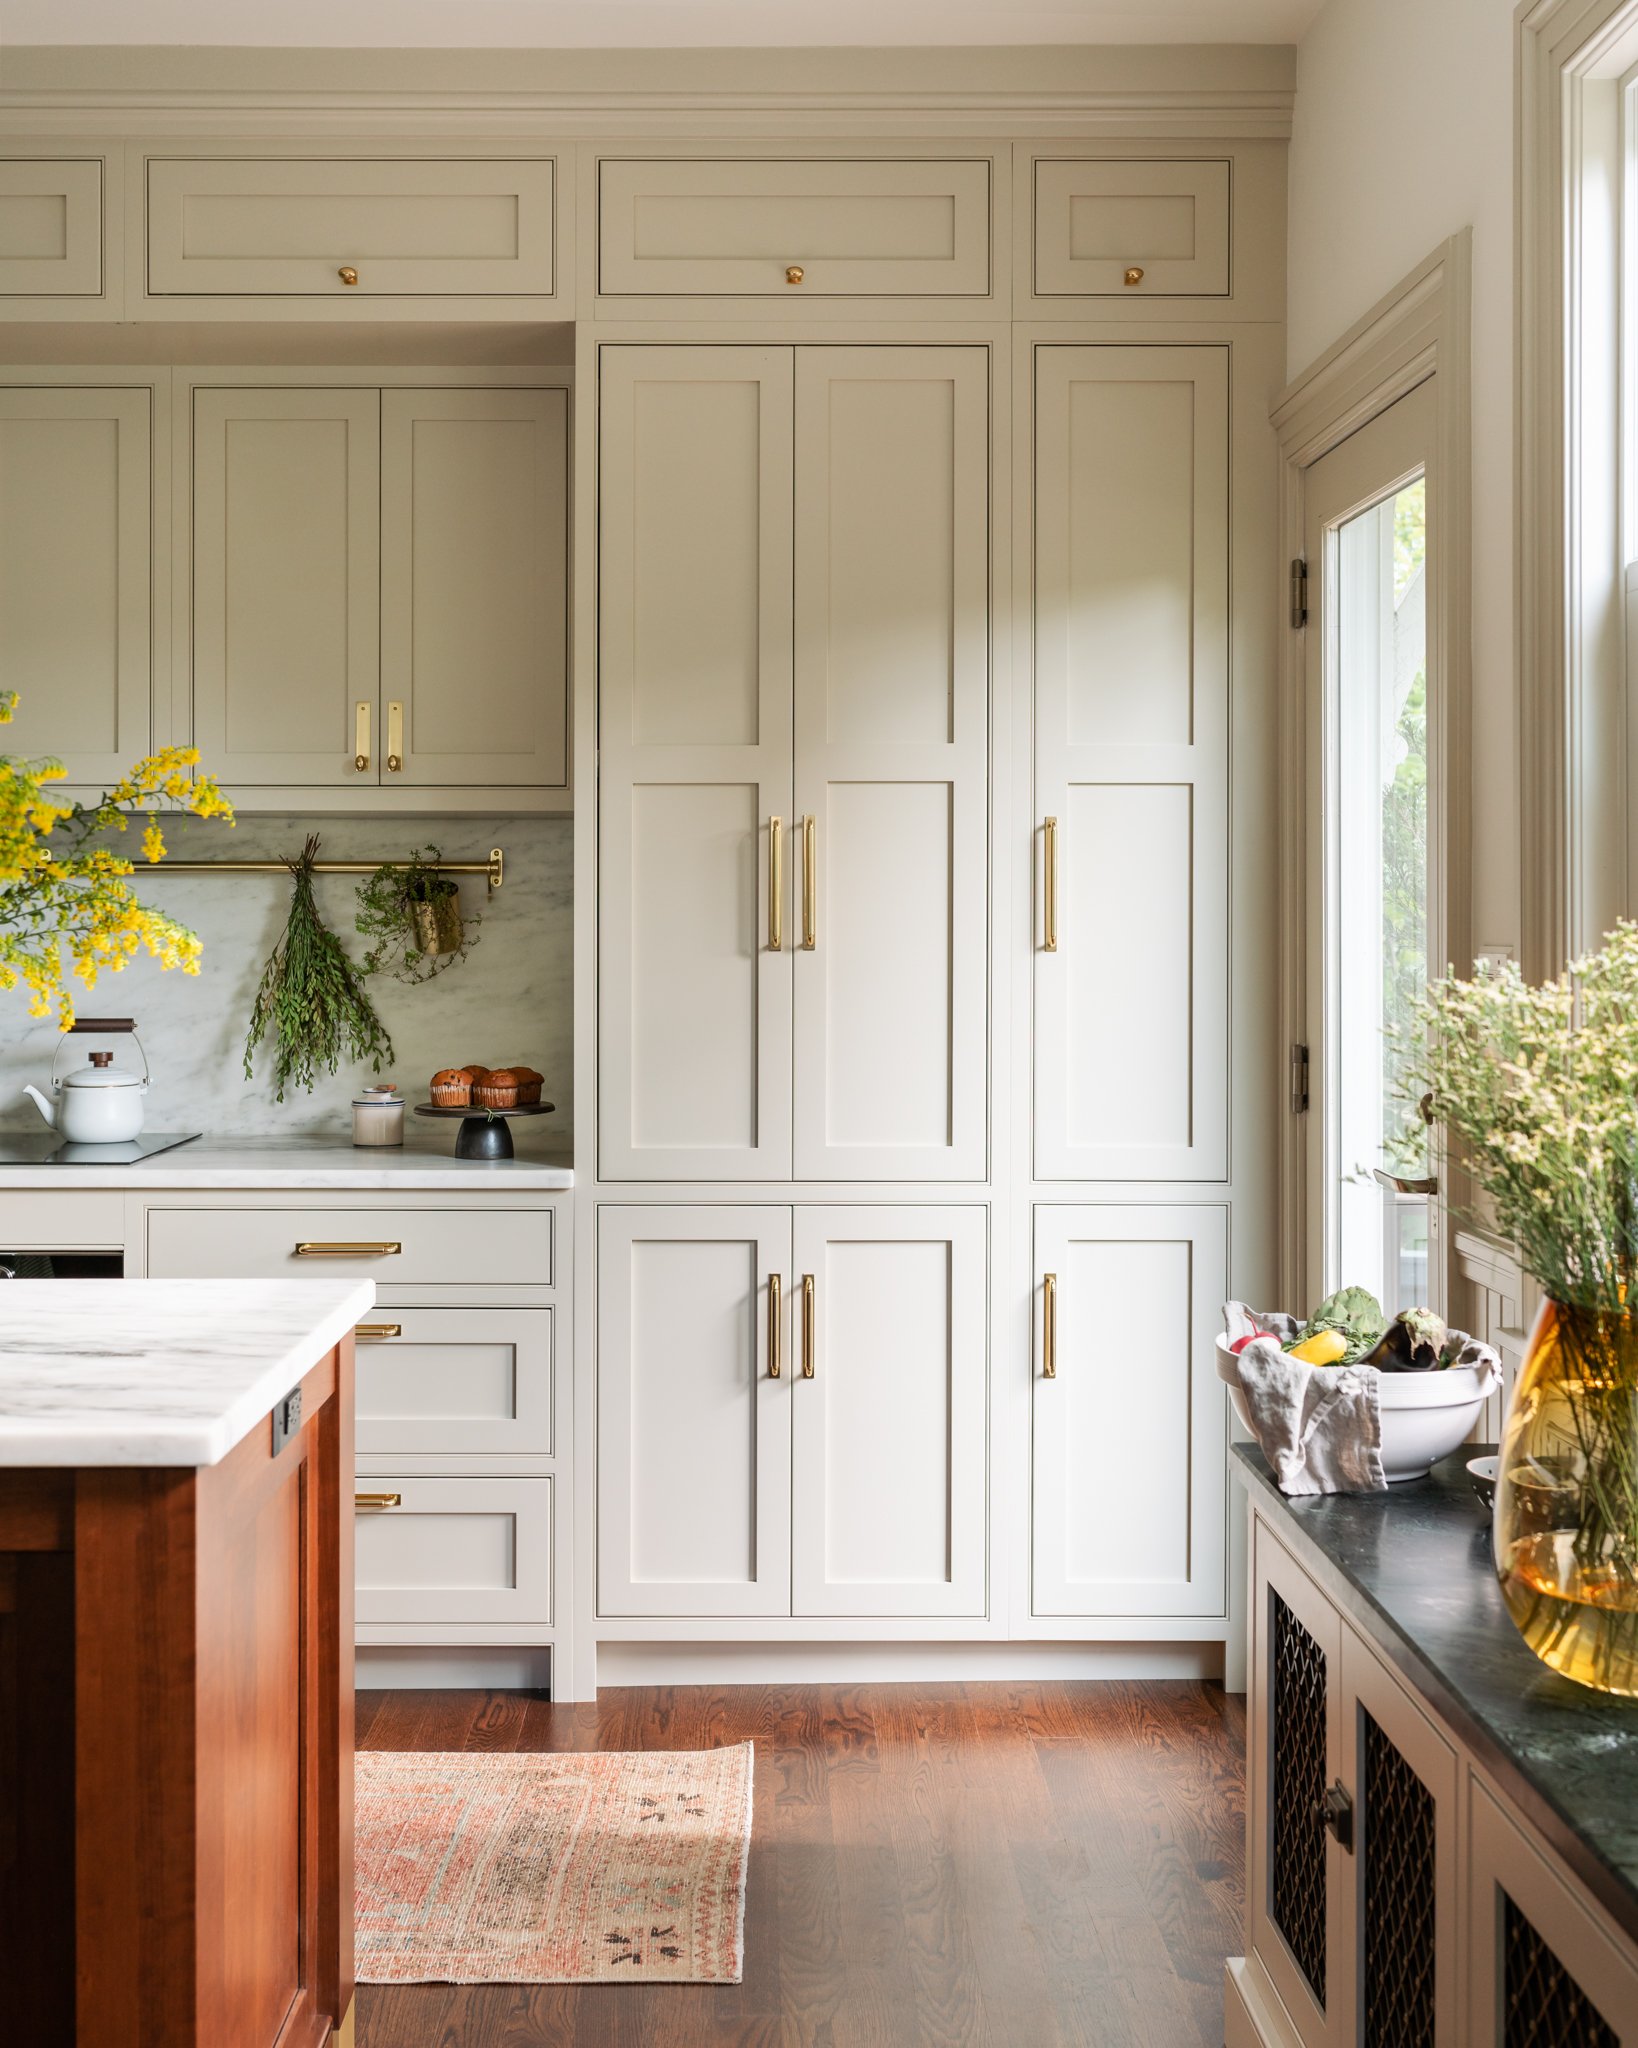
x,y
347,274
361,737
776,884
375,1248
395,738
1049,1326
807,1326
810,883
776,1297
1134,273
1049,885
378,1500
378,1333
794,273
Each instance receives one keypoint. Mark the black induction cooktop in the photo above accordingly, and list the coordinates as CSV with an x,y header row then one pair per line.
x,y
45,1148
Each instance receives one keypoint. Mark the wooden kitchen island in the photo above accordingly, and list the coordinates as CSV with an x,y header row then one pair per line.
x,y
176,1628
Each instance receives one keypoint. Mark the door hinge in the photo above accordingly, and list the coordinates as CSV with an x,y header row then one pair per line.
x,y
1299,1080
1299,593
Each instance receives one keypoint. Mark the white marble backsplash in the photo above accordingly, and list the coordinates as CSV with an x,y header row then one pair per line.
x,y
510,999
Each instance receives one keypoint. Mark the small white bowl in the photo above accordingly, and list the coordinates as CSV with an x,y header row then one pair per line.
x,y
1425,1415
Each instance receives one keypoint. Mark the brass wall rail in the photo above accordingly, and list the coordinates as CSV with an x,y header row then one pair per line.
x,y
494,868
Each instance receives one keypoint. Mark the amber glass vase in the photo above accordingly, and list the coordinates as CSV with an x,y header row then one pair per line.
x,y
1566,1528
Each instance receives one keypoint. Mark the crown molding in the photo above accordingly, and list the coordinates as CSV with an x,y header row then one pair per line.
x,y
1230,90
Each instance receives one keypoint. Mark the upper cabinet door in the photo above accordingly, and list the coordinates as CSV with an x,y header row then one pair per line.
x,y
286,592
75,604
1134,228
349,228
694,671
892,754
1131,765
474,587
50,227
888,1350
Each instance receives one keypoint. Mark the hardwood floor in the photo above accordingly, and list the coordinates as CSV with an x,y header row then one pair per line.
x,y
1018,1865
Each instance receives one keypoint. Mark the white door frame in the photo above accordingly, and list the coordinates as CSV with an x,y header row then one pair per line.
x,y
1419,330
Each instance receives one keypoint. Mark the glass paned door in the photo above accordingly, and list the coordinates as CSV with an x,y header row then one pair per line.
x,y
1373,952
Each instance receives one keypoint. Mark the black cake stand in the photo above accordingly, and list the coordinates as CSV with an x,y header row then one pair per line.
x,y
483,1133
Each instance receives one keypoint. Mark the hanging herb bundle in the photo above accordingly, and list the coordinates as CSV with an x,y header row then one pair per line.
x,y
311,1001
413,913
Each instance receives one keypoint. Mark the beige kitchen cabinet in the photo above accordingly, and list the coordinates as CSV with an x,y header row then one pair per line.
x,y
1130,1425
380,588
395,1246
474,587
457,1382
1133,228
793,229
1131,638
51,227
76,575
468,1556
792,896
347,229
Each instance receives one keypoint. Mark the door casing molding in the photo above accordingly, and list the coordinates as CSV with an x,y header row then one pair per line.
x,y
1420,329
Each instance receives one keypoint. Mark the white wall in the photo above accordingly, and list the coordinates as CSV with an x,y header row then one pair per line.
x,y
1403,133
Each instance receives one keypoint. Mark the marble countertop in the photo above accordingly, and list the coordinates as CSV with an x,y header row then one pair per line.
x,y
1412,1568
305,1162
157,1372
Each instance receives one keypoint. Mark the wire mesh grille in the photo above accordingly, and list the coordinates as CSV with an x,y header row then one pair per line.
x,y
1542,2004
1297,1833
1399,1915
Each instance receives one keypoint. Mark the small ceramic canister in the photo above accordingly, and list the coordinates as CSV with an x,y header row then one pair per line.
x,y
378,1116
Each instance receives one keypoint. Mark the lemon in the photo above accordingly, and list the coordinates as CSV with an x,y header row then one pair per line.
x,y
1325,1347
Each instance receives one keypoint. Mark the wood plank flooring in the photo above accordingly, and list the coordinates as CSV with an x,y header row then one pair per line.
x,y
1018,1865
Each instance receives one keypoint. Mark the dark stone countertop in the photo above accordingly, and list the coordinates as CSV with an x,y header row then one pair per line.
x,y
1412,1568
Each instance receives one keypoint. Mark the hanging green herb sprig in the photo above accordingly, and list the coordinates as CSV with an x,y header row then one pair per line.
x,y
311,1001
413,913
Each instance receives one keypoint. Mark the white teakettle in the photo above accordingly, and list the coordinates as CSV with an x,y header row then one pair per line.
x,y
99,1103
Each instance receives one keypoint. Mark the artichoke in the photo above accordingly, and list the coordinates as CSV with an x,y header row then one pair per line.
x,y
1356,1315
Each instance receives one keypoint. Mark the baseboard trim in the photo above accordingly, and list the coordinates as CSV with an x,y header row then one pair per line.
x,y
491,1670
621,1663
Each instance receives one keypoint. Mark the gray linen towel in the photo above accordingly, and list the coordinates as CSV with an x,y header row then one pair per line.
x,y
1320,1427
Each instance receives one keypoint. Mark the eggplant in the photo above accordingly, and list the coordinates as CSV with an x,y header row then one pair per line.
x,y
1413,1342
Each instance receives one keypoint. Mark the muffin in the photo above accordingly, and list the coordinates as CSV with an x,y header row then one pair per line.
x,y
497,1090
529,1083
452,1088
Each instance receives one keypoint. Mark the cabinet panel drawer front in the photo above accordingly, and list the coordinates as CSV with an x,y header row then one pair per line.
x,y
724,229
51,227
433,1246
1097,221
291,226
447,1381
90,1221
455,1551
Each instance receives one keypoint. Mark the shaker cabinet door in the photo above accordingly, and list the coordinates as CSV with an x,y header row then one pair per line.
x,y
1130,632
75,577
286,585
892,746
694,666
693,1411
889,1399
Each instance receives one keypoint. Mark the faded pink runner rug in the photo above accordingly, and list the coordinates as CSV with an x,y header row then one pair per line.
x,y
533,1867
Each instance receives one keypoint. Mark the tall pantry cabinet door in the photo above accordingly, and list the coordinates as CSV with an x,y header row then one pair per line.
x,y
693,1411
75,567
286,585
1130,1419
694,679
887,1336
892,753
1131,765
474,587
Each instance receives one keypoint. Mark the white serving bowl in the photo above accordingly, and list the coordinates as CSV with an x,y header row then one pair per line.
x,y
1425,1415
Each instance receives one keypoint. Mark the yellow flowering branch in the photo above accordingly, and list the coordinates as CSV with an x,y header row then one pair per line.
x,y
67,906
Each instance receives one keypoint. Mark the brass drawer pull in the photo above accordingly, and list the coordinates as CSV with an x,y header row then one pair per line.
x,y
395,739
807,1326
375,1249
378,1333
1049,1326
776,1294
361,737
810,883
347,274
794,273
378,1500
1049,888
1134,273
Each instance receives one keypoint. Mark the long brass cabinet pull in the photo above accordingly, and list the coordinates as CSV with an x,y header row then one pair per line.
x,y
361,737
395,739
810,884
807,1326
375,1249
776,884
1049,1326
378,1333
378,1500
1049,885
776,1316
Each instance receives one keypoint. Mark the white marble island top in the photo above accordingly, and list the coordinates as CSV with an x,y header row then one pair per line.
x,y
307,1162
156,1372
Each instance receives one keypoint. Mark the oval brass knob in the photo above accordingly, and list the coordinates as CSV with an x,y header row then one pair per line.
x,y
1134,274
794,273
349,275
361,762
